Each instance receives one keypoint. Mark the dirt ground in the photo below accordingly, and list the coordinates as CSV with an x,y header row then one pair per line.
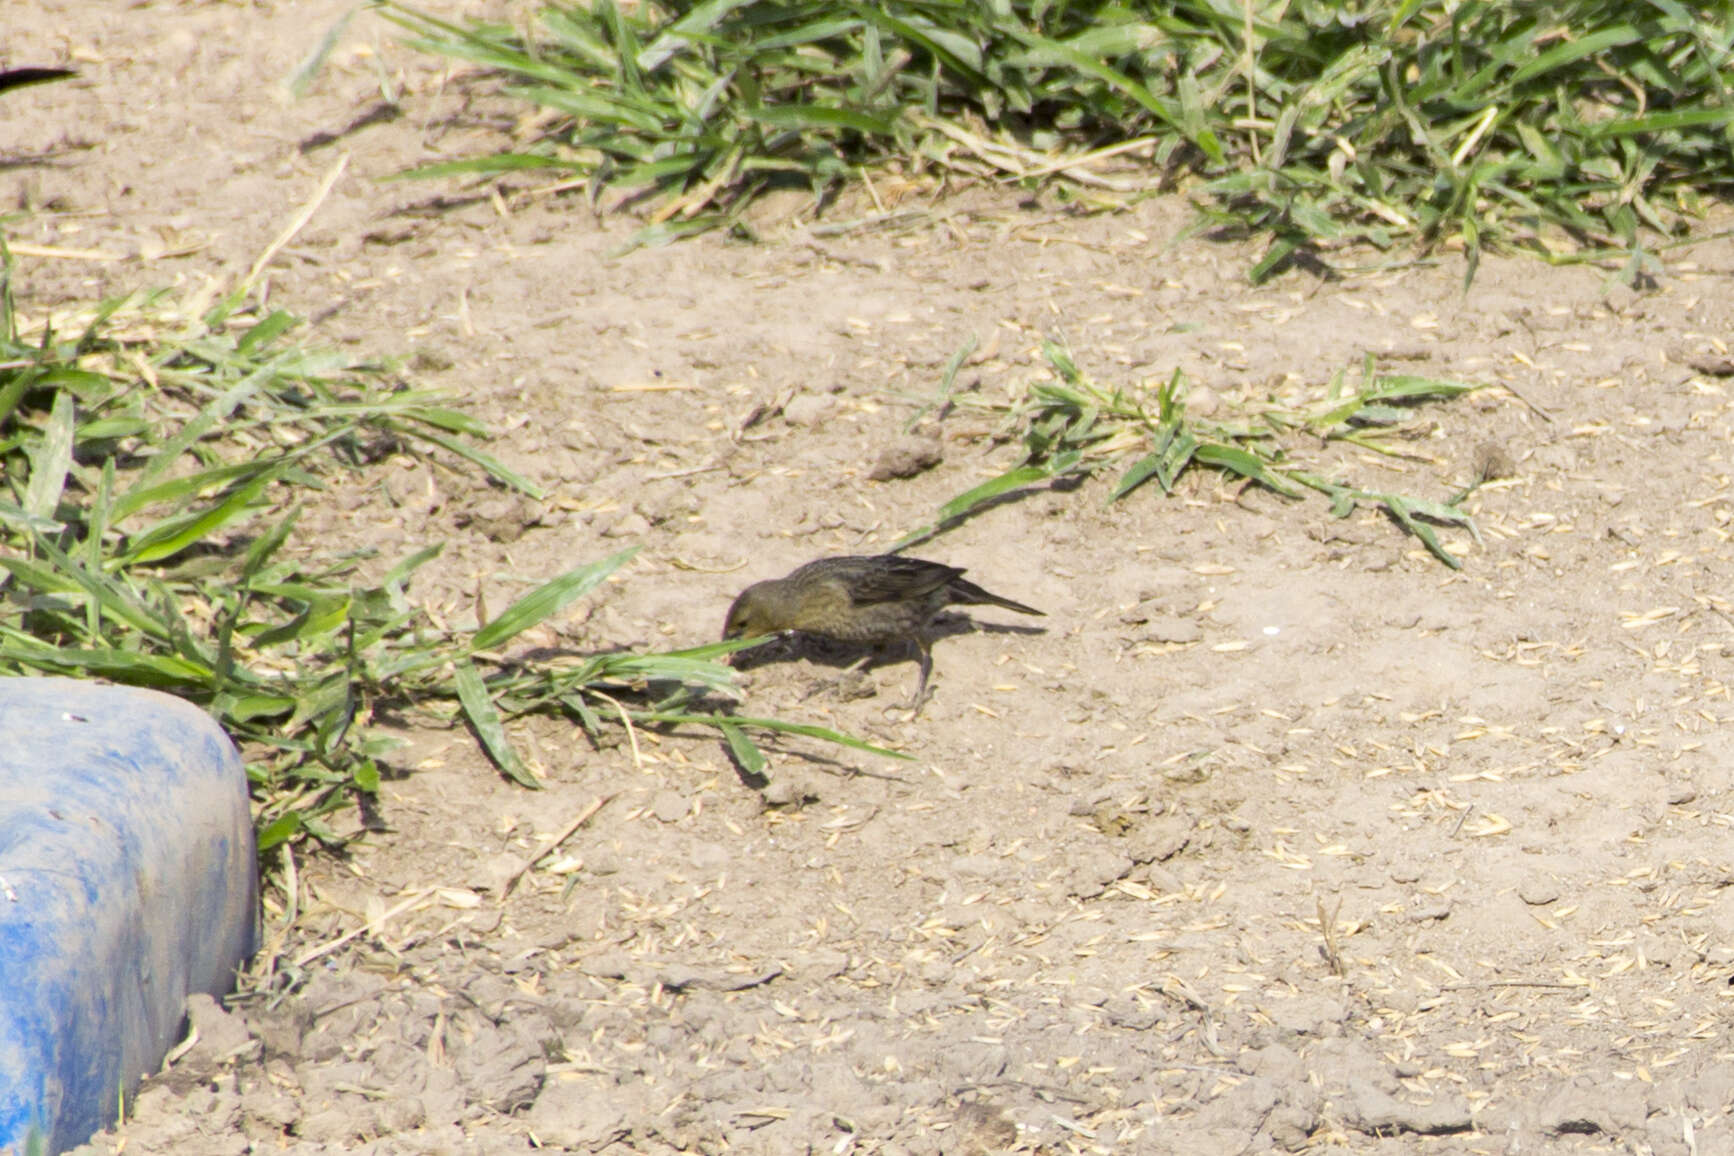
x,y
1274,834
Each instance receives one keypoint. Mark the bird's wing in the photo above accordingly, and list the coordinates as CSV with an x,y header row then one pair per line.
x,y
889,578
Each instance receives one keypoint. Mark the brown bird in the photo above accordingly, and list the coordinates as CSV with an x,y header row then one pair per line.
x,y
873,599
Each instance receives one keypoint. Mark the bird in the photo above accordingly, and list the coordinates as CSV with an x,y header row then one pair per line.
x,y
874,599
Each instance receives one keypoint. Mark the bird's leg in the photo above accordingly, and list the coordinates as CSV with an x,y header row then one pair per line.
x,y
925,652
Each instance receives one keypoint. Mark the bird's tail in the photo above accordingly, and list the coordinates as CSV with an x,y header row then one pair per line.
x,y
969,594
19,77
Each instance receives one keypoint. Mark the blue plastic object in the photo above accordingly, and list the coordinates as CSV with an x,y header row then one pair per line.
x,y
127,882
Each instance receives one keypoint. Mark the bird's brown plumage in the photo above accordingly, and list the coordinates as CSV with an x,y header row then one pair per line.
x,y
873,599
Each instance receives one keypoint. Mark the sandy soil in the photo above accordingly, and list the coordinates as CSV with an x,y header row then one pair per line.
x,y
1275,834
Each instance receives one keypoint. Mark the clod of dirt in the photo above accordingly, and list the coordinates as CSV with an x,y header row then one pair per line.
x,y
1291,1126
1660,951
784,792
501,519
1429,910
1538,891
413,491
493,872
403,1115
217,1039
568,1114
602,860
632,526
906,457
1231,1119
1160,839
221,1036
430,359
1711,365
1493,460
272,1108
986,1128
1619,299
1308,1015
670,806
1274,1062
809,410
501,1066
282,1028
1113,821
1189,774
1377,1113
1586,1106
1171,631
1094,870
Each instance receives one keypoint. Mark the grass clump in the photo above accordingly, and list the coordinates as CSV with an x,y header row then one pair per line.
x,y
1570,126
710,104
152,471
1072,427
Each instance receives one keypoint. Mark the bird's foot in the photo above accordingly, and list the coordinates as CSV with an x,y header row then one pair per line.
x,y
914,705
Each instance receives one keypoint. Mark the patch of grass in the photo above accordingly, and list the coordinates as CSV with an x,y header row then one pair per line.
x,y
710,104
1072,427
1565,128
152,471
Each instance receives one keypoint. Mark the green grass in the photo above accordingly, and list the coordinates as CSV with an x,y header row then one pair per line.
x,y
1072,427
1573,129
152,472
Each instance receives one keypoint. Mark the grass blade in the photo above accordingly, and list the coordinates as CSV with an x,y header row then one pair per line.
x,y
51,460
490,728
780,726
745,751
547,599
494,467
172,535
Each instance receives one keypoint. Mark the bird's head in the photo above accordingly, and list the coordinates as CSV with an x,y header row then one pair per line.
x,y
753,613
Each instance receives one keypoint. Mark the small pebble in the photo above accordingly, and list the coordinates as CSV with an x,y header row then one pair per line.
x,y
906,457
670,806
1429,909
784,793
1172,630
630,526
1538,892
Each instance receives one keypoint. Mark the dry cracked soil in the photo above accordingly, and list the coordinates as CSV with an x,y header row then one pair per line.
x,y
1276,834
